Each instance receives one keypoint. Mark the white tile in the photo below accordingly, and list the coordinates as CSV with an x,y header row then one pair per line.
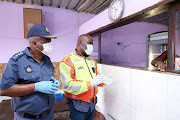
x,y
109,117
144,91
137,89
149,93
108,103
155,95
122,78
101,101
118,110
121,82
173,99
106,69
139,115
136,114
147,117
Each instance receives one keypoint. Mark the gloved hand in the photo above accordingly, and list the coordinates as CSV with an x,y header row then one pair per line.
x,y
55,81
47,87
108,81
97,80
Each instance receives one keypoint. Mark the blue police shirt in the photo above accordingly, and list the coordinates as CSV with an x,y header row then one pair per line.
x,y
81,105
22,68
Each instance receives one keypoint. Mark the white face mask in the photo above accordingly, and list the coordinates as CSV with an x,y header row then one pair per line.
x,y
47,48
89,48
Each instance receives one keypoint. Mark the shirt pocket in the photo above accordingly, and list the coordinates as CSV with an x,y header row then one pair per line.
x,y
48,71
30,78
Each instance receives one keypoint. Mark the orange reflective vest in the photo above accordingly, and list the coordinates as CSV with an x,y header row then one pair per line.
x,y
76,73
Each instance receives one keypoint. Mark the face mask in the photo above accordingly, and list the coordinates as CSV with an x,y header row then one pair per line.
x,y
89,48
47,48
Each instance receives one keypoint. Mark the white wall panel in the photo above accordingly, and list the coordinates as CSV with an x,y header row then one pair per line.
x,y
135,94
173,99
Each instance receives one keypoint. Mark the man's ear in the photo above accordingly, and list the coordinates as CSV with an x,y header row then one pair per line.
x,y
34,43
79,43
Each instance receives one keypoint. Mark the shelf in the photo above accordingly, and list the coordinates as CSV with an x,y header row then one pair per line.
x,y
163,41
156,53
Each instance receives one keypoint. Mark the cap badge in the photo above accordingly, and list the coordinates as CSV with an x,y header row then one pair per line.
x,y
47,30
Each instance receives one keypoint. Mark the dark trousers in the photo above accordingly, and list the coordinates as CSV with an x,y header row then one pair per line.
x,y
49,116
78,115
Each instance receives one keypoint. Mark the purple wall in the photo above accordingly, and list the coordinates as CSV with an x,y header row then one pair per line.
x,y
95,47
60,22
134,37
102,19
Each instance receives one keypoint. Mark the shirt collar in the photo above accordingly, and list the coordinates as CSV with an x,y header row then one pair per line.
x,y
27,52
80,54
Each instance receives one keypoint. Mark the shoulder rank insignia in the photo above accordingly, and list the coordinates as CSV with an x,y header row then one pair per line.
x,y
28,69
17,56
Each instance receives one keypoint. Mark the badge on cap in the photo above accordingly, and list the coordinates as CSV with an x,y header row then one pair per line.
x,y
28,69
47,30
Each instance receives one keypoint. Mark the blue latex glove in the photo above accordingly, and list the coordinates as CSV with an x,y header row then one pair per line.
x,y
55,81
47,87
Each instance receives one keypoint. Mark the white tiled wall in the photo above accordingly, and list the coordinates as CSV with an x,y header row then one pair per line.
x,y
173,98
139,95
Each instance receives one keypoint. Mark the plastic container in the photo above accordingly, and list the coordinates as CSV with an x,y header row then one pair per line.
x,y
58,95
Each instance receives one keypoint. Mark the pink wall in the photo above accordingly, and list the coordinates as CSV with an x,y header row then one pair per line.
x,y
102,19
134,36
60,22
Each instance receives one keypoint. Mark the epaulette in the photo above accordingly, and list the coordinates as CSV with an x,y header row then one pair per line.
x,y
17,56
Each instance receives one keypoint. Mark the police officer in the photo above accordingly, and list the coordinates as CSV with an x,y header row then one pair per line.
x,y
28,79
80,77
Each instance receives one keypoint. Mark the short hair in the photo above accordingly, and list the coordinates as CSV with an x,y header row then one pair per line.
x,y
83,37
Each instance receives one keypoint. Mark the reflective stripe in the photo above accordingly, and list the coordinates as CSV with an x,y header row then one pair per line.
x,y
73,96
72,88
72,77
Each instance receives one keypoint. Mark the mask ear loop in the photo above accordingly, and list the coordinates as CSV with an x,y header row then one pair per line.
x,y
82,46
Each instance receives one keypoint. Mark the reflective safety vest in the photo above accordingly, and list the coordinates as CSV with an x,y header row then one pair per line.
x,y
76,73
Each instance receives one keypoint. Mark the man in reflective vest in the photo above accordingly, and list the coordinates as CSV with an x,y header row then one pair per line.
x,y
80,77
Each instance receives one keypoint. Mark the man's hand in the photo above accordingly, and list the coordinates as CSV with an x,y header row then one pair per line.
x,y
55,81
97,80
108,81
101,79
161,66
47,87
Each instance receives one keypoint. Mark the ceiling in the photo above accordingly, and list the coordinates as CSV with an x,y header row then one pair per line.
x,y
160,19
88,6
